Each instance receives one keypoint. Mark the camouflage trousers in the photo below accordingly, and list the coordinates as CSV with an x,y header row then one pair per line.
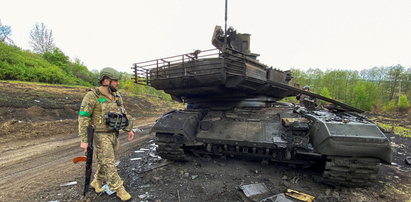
x,y
106,147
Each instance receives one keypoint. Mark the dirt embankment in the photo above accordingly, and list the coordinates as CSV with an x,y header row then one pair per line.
x,y
38,134
38,138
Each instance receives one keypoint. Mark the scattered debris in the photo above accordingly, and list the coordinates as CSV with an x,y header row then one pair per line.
x,y
154,155
37,101
254,192
153,145
299,195
277,198
193,177
68,184
295,180
178,195
144,186
148,159
106,189
135,159
408,160
143,196
117,163
137,130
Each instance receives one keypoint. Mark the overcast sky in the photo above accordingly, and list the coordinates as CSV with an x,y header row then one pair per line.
x,y
325,34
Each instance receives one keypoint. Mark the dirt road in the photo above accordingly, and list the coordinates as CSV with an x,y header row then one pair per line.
x,y
34,166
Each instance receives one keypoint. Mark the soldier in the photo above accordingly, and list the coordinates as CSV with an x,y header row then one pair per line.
x,y
103,108
306,100
301,97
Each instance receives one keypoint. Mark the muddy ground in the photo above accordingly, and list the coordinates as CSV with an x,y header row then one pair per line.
x,y
38,139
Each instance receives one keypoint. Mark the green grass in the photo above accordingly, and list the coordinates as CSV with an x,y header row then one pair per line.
x,y
40,83
398,130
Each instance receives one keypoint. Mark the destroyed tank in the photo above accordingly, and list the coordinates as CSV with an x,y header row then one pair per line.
x,y
234,109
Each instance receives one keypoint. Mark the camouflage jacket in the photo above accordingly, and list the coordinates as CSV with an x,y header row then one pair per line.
x,y
92,109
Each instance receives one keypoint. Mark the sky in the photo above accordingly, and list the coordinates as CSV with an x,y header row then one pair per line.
x,y
298,34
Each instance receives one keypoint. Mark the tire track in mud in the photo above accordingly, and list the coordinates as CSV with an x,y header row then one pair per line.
x,y
27,172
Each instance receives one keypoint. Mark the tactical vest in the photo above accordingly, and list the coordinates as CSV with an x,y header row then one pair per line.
x,y
108,115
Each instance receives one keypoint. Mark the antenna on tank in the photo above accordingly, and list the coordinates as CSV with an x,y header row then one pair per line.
x,y
225,27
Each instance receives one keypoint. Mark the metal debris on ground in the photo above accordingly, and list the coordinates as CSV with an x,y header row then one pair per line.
x,y
408,160
144,186
277,198
106,189
148,159
144,169
68,184
254,192
137,130
143,196
299,195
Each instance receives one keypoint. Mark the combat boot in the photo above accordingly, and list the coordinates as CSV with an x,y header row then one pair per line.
x,y
96,184
123,194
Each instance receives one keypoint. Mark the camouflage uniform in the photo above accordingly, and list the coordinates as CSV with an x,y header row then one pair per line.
x,y
92,110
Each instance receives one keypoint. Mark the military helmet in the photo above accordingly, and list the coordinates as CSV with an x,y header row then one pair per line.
x,y
307,87
109,72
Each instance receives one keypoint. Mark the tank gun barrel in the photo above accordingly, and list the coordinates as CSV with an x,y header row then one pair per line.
x,y
345,106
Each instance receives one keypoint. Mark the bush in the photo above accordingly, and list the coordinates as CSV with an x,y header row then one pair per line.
x,y
403,103
54,67
141,90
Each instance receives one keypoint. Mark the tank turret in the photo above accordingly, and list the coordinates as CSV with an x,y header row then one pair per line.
x,y
234,109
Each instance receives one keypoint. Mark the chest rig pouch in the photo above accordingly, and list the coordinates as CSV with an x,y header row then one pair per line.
x,y
116,121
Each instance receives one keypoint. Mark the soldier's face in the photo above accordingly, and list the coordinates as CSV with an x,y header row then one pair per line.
x,y
114,84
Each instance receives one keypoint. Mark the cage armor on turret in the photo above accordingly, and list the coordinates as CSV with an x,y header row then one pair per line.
x,y
234,109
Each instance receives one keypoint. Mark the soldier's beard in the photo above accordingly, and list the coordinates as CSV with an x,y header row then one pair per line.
x,y
112,88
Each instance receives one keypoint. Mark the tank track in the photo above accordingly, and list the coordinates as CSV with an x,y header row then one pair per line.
x,y
350,171
168,147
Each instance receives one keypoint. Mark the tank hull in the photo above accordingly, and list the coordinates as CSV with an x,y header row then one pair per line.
x,y
278,133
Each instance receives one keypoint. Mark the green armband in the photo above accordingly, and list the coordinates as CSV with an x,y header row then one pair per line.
x,y
83,113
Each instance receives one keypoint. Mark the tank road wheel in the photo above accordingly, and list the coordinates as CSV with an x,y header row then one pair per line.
x,y
169,147
350,171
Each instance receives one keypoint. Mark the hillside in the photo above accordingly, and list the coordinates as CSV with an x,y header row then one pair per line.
x,y
30,111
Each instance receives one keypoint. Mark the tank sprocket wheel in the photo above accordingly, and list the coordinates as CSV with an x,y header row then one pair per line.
x,y
169,149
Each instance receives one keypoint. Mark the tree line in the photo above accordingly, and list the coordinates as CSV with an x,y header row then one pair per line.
x,y
45,63
48,64
379,89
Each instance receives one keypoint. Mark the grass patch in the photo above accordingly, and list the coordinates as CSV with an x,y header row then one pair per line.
x,y
43,84
398,130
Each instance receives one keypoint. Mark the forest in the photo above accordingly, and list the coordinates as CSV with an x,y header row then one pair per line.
x,y
377,89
